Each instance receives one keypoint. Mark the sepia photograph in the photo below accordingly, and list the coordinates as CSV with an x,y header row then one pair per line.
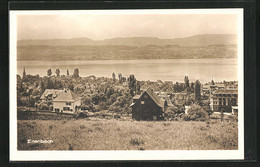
x,y
126,84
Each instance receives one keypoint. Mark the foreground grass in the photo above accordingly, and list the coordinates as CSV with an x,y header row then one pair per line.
x,y
85,134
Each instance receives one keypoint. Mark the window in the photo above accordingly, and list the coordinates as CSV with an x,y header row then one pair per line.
x,y
142,102
68,103
66,108
224,101
220,101
233,102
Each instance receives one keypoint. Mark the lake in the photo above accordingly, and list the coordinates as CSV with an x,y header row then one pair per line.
x,y
153,69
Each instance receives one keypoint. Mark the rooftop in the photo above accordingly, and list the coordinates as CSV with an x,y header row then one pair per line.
x,y
68,96
159,101
226,91
53,92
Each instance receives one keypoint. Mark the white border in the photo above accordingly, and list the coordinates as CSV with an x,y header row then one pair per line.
x,y
16,155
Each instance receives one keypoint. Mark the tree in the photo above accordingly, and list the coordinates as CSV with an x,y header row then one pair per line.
x,y
58,84
86,100
188,101
186,81
196,113
175,87
70,86
114,77
68,72
95,98
138,87
57,72
123,79
76,73
132,84
41,85
49,72
47,84
206,107
178,87
197,90
109,92
120,77
192,87
188,90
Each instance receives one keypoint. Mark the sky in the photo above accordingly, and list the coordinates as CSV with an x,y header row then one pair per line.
x,y
99,27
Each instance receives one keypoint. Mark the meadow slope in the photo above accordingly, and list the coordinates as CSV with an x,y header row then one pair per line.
x,y
101,134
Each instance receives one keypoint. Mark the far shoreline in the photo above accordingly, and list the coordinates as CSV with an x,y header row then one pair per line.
x,y
131,59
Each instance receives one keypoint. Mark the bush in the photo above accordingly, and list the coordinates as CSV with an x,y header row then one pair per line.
x,y
103,106
44,107
86,100
169,114
127,110
173,113
87,107
115,109
185,117
103,114
196,113
96,108
21,101
233,118
136,141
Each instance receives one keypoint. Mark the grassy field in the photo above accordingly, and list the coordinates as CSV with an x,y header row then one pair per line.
x,y
103,134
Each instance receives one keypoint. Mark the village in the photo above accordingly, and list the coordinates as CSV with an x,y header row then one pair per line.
x,y
125,97
123,113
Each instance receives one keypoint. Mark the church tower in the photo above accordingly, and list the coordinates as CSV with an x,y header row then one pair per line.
x,y
212,81
24,73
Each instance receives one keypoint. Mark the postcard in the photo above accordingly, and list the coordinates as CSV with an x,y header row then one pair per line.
x,y
126,84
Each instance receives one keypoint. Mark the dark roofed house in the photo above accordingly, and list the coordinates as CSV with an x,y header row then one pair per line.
x,y
148,106
66,102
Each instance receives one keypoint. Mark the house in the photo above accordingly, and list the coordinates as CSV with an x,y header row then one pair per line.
x,y
50,94
66,102
220,85
223,99
165,97
231,85
180,98
148,106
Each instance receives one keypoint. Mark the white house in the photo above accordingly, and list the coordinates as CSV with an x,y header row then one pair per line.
x,y
66,102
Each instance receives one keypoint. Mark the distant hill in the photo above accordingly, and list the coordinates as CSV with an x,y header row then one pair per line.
x,y
117,52
198,40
